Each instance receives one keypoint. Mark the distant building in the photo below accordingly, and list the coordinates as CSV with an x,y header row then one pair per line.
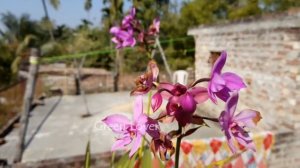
x,y
266,53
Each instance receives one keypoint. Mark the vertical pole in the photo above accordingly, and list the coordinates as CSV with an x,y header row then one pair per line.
x,y
157,42
77,77
28,97
81,90
117,71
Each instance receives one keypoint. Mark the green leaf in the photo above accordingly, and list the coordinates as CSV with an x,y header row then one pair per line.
x,y
87,162
147,159
125,161
190,131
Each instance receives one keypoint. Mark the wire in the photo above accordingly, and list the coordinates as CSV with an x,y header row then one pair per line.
x,y
51,59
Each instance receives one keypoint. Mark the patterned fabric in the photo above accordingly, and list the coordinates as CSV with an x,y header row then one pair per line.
x,y
201,153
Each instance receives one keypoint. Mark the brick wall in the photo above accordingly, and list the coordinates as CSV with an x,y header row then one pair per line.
x,y
266,53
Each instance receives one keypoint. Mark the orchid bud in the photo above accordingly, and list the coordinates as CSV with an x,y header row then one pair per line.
x,y
156,101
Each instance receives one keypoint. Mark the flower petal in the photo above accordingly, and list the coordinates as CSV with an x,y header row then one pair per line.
x,y
153,128
182,117
152,67
244,139
121,143
248,118
200,94
223,94
114,30
167,86
116,122
231,104
156,101
219,64
217,83
230,141
133,12
172,105
224,120
136,144
187,103
212,95
138,107
141,124
233,81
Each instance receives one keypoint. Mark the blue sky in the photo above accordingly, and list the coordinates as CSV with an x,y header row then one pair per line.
x,y
70,12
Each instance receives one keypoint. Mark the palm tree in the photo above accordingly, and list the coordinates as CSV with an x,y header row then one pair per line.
x,y
55,4
112,13
20,33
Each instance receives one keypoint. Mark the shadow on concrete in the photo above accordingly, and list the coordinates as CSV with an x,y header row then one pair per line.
x,y
43,121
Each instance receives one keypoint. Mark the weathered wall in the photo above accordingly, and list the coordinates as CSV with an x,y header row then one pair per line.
x,y
266,53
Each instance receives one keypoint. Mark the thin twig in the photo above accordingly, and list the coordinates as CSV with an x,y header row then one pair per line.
x,y
210,119
199,81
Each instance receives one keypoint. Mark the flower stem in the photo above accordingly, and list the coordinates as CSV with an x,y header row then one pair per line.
x,y
177,152
112,159
149,102
148,113
199,81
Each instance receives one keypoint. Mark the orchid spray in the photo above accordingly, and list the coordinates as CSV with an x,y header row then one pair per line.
x,y
181,102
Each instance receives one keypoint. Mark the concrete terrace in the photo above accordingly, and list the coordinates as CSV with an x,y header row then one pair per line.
x,y
57,130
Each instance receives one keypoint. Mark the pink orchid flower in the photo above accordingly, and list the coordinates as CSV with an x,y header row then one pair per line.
x,y
182,101
146,81
221,84
128,19
132,132
123,38
154,28
124,35
233,125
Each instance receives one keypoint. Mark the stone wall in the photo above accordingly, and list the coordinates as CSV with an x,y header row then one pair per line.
x,y
266,53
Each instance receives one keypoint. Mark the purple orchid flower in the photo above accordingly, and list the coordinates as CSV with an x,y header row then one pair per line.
x,y
129,19
182,101
122,37
132,132
154,28
233,125
221,84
